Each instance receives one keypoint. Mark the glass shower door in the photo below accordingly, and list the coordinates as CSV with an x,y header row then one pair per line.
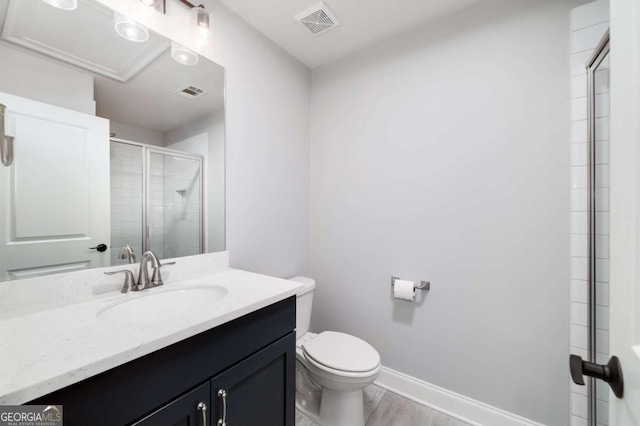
x,y
599,210
126,200
599,360
174,207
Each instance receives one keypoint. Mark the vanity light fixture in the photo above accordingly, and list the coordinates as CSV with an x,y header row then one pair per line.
x,y
129,29
201,18
182,55
63,4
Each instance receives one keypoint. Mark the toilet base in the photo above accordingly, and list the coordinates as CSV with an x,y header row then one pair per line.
x,y
334,408
342,408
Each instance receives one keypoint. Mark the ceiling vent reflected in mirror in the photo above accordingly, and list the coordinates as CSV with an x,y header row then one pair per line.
x,y
191,92
63,4
318,19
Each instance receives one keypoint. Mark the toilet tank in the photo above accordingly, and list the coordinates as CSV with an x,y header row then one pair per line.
x,y
304,303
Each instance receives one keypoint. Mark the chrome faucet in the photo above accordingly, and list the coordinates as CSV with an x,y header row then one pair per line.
x,y
143,274
129,280
126,252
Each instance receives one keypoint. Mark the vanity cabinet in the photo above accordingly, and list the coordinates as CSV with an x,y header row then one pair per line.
x,y
251,358
253,392
255,389
187,410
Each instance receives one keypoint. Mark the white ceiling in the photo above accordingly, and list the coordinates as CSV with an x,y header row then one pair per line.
x,y
363,23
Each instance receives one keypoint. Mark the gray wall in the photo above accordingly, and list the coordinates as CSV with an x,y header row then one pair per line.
x,y
444,155
136,134
267,124
29,76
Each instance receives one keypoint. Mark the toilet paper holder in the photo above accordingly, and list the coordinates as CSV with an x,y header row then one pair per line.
x,y
421,285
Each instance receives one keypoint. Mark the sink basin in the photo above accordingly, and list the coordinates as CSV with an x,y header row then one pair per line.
x,y
157,303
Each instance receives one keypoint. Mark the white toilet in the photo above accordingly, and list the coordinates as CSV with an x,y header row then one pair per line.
x,y
332,368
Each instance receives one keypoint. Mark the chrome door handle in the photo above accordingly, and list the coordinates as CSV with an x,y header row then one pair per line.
x,y
223,394
203,407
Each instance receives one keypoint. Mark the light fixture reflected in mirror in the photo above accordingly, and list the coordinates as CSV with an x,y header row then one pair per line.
x,y
202,18
182,55
129,29
63,4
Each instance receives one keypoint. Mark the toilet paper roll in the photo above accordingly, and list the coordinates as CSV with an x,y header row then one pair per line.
x,y
403,289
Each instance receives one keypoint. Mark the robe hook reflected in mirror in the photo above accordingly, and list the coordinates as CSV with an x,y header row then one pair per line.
x,y
6,142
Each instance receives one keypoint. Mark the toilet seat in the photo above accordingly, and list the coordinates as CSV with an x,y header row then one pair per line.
x,y
325,371
341,354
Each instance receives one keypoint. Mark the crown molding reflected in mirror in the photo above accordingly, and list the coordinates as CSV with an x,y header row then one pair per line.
x,y
151,119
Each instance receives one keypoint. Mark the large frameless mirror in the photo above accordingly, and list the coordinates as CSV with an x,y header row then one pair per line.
x,y
118,142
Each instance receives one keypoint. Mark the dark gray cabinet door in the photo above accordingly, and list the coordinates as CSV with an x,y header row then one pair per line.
x,y
258,391
183,411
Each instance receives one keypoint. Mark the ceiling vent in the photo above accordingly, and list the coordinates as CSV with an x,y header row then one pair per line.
x,y
191,92
318,19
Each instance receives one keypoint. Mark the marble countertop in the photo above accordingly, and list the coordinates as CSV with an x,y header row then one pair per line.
x,y
48,349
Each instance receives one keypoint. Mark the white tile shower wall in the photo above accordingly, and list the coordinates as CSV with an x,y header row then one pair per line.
x,y
588,24
126,199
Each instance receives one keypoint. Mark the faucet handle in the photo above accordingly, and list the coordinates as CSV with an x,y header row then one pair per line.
x,y
129,280
156,278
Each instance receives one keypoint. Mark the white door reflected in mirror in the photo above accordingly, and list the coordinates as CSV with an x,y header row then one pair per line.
x,y
56,192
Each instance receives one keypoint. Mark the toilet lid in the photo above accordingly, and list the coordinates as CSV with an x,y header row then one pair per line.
x,y
342,352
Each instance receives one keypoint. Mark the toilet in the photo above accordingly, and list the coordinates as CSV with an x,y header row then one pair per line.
x,y
332,368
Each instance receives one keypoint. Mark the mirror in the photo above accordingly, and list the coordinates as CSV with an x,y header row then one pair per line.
x,y
118,144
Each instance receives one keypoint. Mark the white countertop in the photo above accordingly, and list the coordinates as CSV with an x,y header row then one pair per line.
x,y
48,349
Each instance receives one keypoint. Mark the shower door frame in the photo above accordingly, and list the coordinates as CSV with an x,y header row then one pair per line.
x,y
147,150
600,52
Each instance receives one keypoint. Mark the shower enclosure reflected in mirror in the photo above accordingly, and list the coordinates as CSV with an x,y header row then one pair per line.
x,y
165,212
116,142
598,102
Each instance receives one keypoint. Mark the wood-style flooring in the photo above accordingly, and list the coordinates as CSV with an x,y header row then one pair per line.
x,y
385,408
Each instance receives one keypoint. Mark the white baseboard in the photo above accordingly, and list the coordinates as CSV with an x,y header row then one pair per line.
x,y
450,403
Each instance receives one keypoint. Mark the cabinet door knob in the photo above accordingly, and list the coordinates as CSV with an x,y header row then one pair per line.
x,y
223,396
203,407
